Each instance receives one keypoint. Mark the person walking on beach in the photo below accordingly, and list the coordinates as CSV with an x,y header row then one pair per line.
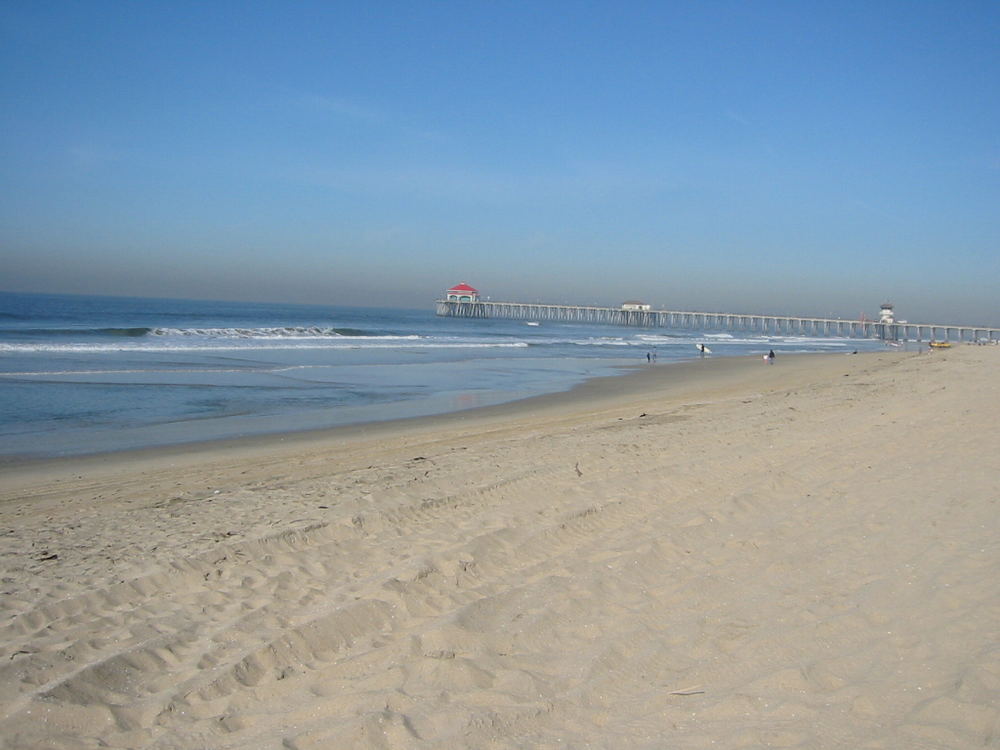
x,y
770,357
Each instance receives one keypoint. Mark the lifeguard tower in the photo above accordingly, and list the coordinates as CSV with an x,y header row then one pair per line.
x,y
887,329
886,314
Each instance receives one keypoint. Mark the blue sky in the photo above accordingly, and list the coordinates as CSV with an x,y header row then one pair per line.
x,y
786,157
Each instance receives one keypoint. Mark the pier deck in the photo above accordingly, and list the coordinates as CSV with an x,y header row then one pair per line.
x,y
719,321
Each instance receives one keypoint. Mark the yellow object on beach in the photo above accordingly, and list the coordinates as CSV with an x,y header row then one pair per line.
x,y
940,345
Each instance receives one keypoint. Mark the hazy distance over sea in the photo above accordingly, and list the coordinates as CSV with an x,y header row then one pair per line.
x,y
84,374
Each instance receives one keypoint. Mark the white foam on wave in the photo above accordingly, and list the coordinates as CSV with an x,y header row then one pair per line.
x,y
287,332
599,342
659,339
819,340
345,342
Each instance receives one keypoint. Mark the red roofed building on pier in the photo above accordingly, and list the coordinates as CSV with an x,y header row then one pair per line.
x,y
462,293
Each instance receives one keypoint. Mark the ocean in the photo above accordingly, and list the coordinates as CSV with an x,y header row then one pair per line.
x,y
86,374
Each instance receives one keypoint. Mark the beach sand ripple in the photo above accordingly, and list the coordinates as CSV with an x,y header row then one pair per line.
x,y
723,555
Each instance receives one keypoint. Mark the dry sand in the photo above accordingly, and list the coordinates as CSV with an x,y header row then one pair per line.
x,y
718,554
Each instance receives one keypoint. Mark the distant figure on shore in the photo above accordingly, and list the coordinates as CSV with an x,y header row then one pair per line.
x,y
701,348
770,357
649,357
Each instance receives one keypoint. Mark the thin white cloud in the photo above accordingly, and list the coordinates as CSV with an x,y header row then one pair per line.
x,y
88,156
353,111
341,107
732,114
582,183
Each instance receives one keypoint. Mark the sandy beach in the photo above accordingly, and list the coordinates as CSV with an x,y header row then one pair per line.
x,y
714,554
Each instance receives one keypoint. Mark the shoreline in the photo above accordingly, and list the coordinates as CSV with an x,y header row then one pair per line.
x,y
674,379
715,554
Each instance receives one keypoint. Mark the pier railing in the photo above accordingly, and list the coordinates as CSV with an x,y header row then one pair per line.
x,y
717,321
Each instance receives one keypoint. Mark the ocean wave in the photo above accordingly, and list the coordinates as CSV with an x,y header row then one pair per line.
x,y
645,339
399,342
274,332
129,332
283,332
135,332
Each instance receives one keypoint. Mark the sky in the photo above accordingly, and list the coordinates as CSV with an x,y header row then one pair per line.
x,y
800,157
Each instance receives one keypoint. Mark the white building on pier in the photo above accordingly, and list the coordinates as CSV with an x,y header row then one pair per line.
x,y
462,292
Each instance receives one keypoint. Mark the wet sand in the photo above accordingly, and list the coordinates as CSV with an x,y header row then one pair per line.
x,y
717,553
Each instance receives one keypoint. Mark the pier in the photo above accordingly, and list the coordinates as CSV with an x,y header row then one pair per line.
x,y
767,325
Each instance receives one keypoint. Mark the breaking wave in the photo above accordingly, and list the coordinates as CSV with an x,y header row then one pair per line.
x,y
256,344
286,332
